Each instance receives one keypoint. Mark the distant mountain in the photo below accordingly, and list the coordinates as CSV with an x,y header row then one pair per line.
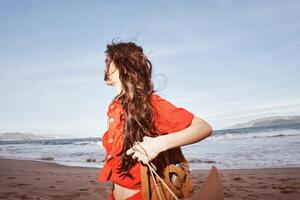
x,y
268,121
27,136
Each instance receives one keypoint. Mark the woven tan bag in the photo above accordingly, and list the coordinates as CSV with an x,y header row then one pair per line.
x,y
173,182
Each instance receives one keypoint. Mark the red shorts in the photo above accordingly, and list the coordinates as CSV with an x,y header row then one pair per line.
x,y
136,196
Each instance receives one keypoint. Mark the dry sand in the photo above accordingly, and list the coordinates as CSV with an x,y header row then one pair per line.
x,y
22,179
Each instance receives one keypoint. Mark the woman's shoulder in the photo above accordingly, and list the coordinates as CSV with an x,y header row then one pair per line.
x,y
158,100
169,117
155,97
161,104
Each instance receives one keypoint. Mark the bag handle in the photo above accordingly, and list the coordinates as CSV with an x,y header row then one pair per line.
x,y
152,169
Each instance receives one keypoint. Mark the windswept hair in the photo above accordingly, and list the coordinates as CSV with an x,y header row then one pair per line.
x,y
135,71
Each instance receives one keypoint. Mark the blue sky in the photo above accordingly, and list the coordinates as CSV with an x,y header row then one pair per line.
x,y
227,62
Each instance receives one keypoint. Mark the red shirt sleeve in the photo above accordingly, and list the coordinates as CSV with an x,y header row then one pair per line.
x,y
169,118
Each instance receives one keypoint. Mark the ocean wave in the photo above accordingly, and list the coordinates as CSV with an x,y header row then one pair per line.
x,y
79,154
72,142
56,142
197,160
230,136
99,143
81,143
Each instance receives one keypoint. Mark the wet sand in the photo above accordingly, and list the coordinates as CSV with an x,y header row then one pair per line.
x,y
23,179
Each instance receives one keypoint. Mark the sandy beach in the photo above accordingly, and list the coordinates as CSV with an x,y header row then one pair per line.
x,y
22,179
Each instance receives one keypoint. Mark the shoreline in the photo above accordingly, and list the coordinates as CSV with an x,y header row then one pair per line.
x,y
35,179
215,164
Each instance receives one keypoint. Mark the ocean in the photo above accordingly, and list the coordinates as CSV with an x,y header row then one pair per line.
x,y
276,146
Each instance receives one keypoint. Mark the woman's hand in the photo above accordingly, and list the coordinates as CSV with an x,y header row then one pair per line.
x,y
147,150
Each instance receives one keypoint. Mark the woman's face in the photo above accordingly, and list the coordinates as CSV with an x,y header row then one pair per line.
x,y
111,73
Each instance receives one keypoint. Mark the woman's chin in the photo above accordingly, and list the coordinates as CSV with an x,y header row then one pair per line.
x,y
110,83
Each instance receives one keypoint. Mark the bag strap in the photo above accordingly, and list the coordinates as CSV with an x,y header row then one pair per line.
x,y
152,169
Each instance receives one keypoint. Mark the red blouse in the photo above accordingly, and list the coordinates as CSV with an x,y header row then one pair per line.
x,y
168,120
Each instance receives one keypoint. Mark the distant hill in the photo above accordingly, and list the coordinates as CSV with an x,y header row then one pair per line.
x,y
268,121
26,136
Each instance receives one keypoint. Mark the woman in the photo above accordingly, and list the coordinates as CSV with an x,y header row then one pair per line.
x,y
138,114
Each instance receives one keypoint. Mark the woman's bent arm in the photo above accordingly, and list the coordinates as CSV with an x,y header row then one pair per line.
x,y
197,131
152,146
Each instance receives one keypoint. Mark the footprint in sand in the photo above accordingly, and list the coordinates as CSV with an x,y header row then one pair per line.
x,y
263,187
83,189
286,179
11,193
252,195
274,186
60,181
51,186
252,177
24,196
237,178
285,191
227,194
37,178
21,184
11,177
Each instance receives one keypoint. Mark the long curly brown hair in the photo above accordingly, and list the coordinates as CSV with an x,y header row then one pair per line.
x,y
135,71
